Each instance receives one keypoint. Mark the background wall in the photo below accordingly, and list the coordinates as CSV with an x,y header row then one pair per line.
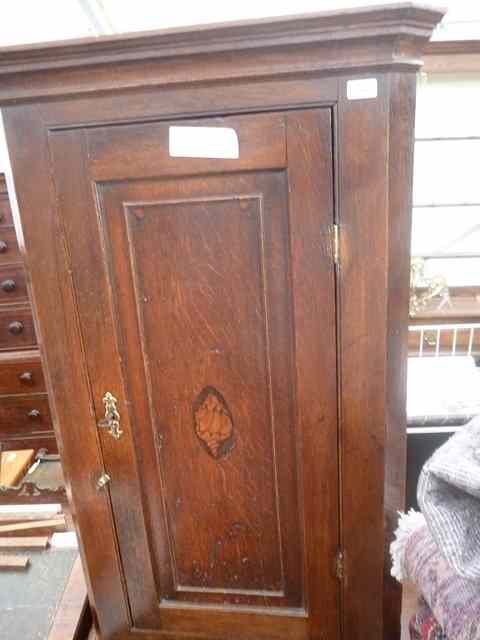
x,y
26,21
30,21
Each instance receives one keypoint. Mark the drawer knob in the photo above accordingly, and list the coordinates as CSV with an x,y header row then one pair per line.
x,y
34,414
26,376
8,286
15,328
3,246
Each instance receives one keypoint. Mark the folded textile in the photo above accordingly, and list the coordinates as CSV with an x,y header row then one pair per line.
x,y
449,498
424,626
454,600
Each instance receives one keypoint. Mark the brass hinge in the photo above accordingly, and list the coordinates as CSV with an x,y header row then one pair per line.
x,y
340,565
336,243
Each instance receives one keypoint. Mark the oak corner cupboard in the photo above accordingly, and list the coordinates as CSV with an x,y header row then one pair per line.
x,y
215,224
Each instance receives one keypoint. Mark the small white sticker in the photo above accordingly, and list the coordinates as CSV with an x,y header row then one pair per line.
x,y
203,142
362,89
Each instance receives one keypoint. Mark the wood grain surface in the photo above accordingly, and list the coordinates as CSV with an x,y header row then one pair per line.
x,y
14,465
31,542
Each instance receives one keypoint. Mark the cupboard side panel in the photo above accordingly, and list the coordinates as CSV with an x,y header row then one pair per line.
x,y
402,116
363,282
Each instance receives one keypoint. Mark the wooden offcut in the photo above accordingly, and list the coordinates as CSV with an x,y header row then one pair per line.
x,y
19,515
30,542
14,562
14,465
37,524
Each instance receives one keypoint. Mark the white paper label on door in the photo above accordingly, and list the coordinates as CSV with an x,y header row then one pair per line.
x,y
362,89
203,142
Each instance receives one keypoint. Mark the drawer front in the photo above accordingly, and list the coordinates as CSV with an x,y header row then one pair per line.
x,y
21,373
24,415
5,210
9,251
13,286
16,328
45,440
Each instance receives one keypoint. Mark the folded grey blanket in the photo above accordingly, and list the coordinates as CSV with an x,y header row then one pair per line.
x,y
449,497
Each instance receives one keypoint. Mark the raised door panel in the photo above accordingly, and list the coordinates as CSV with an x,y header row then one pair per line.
x,y
205,293
207,263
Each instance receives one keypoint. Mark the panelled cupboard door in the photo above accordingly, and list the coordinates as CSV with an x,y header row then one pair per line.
x,y
206,303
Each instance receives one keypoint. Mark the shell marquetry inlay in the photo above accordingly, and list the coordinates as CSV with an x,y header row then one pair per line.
x,y
213,422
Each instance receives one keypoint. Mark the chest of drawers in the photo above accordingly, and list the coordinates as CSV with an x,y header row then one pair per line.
x,y
25,420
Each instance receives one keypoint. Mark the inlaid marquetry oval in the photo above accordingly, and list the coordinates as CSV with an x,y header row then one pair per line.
x,y
213,422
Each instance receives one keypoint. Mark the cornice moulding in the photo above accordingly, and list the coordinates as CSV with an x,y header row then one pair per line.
x,y
379,32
